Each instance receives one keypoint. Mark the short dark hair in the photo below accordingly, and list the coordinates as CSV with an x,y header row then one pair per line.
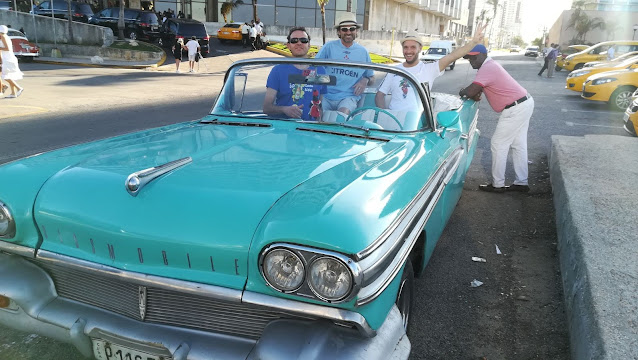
x,y
297,28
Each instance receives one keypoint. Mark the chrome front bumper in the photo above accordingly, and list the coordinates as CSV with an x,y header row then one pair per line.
x,y
41,311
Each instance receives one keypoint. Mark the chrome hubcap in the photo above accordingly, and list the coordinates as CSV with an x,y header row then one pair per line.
x,y
623,99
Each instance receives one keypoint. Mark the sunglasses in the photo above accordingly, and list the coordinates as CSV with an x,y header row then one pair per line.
x,y
346,29
296,40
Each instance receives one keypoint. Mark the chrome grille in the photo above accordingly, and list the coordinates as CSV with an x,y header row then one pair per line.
x,y
164,306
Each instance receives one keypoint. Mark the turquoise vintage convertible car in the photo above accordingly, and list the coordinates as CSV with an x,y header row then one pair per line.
x,y
241,235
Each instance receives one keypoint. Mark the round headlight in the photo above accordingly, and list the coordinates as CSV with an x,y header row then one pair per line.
x,y
7,226
283,270
330,279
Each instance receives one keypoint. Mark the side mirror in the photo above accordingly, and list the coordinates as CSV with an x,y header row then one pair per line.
x,y
447,119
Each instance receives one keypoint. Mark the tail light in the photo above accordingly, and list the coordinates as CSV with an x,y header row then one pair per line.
x,y
178,37
143,24
235,32
206,37
77,15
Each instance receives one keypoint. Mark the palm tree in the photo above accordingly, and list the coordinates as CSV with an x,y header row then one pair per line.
x,y
120,22
255,10
495,5
322,5
70,13
583,24
610,28
228,6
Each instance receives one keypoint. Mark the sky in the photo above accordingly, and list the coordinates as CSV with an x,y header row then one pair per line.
x,y
536,14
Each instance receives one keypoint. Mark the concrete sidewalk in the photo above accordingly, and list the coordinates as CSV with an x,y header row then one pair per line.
x,y
595,197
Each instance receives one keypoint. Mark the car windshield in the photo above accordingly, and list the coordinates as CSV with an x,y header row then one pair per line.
x,y
13,33
311,85
437,51
188,30
149,18
236,26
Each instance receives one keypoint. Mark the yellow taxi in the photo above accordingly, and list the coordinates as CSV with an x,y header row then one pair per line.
x,y
229,32
598,52
571,49
631,116
576,78
615,87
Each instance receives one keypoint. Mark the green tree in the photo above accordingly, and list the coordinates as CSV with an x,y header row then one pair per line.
x,y
120,22
255,10
322,5
537,42
495,4
583,24
610,27
517,40
228,6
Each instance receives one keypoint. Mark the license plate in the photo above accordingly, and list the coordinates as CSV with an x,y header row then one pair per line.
x,y
154,27
104,350
225,32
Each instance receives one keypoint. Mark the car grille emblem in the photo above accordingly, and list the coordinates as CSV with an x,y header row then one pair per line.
x,y
142,301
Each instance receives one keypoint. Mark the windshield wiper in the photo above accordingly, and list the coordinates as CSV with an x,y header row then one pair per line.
x,y
365,136
359,127
234,123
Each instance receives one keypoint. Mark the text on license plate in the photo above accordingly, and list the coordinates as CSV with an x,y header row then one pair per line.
x,y
225,32
104,350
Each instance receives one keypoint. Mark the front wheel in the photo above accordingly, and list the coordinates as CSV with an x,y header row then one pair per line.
x,y
160,42
579,66
132,35
452,65
558,68
621,98
405,297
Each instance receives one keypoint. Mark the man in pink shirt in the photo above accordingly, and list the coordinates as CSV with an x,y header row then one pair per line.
x,y
511,100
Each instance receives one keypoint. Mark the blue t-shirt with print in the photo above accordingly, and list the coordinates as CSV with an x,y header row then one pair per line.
x,y
294,94
346,77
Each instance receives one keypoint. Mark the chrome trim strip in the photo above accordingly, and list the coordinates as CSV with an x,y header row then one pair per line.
x,y
17,249
300,251
299,308
189,287
391,260
137,180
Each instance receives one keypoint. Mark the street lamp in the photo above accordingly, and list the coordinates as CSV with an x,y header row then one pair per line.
x,y
635,28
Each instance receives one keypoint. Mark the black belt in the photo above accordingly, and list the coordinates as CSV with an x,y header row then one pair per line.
x,y
517,102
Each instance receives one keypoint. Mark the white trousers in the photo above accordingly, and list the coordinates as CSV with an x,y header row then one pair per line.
x,y
511,132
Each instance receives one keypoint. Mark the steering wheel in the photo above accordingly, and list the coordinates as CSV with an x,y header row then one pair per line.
x,y
377,110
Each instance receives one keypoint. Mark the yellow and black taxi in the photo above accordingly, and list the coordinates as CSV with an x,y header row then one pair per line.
x,y
598,52
571,49
615,87
576,78
229,32
631,116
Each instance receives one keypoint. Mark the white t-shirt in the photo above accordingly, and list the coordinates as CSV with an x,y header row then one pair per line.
x,y
192,46
259,27
253,32
403,97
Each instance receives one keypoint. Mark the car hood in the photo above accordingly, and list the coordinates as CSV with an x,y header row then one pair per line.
x,y
196,222
614,73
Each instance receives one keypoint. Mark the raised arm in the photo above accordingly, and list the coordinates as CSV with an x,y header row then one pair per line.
x,y
463,50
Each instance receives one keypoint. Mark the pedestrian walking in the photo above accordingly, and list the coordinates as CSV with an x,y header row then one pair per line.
x,y
259,26
193,50
507,97
253,37
551,62
546,60
611,52
177,52
245,31
10,69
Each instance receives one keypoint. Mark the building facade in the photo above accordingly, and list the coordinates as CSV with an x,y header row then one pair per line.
x,y
611,5
621,25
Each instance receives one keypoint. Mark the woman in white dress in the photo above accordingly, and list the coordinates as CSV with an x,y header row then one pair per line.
x,y
10,69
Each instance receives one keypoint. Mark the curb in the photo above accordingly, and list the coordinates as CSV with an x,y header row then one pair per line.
x,y
158,64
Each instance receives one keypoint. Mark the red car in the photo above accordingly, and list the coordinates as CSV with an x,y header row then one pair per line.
x,y
22,47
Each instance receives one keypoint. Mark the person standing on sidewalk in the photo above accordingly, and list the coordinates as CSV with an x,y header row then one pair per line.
x,y
511,100
245,30
193,49
10,69
253,37
546,60
551,62
350,85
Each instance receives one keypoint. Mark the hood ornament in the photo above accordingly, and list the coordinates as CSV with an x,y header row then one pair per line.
x,y
137,180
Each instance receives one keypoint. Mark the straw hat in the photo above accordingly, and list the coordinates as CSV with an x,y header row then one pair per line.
x,y
346,19
412,35
3,29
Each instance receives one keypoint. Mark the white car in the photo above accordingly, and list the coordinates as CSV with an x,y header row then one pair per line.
x,y
532,51
437,50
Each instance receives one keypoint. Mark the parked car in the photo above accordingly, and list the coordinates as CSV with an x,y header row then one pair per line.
x,y
230,32
615,87
22,47
437,50
515,49
81,11
532,51
138,24
571,49
172,29
576,78
598,52
630,118
243,235
6,5
608,63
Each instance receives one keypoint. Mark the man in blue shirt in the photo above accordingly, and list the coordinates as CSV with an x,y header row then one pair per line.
x,y
351,82
292,99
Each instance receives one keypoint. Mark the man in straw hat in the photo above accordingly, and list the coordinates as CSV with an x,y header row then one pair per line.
x,y
424,72
351,82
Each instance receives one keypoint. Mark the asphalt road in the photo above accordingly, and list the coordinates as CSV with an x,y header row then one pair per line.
x,y
517,313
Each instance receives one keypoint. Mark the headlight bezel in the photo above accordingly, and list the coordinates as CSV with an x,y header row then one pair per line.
x,y
603,81
11,228
578,73
308,255
271,283
316,291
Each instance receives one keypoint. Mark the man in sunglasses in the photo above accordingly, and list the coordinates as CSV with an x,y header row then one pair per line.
x,y
403,96
293,100
351,82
